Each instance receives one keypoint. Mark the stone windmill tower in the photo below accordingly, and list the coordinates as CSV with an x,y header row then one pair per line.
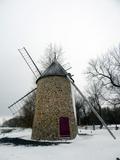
x,y
54,113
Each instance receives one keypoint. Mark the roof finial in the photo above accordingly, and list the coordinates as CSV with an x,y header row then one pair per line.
x,y
55,59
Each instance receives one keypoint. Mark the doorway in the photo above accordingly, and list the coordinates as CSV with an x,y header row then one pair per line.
x,y
64,127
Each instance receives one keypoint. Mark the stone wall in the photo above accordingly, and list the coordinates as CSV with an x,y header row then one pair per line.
x,y
53,100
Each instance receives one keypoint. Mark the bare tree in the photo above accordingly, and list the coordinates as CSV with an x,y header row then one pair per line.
x,y
106,72
95,96
81,109
52,53
27,111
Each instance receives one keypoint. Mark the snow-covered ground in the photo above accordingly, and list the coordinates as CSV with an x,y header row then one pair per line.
x,y
89,145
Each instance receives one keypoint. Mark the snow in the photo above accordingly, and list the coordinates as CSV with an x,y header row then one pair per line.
x,y
90,145
16,132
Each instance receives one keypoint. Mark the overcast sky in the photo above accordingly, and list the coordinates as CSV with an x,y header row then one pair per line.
x,y
84,28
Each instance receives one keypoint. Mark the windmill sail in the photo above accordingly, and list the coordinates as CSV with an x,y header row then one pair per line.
x,y
29,61
17,106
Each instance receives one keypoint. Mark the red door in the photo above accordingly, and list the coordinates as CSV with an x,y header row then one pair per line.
x,y
64,127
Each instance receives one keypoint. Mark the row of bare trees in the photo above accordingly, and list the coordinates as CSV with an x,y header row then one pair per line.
x,y
103,75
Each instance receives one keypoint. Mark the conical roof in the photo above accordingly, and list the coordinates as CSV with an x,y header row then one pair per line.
x,y
55,69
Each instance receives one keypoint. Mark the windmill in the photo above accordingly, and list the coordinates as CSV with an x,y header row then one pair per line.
x,y
54,112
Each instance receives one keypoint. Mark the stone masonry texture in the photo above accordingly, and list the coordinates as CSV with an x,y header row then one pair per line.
x,y
53,100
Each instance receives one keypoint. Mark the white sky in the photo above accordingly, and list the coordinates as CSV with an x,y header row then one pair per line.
x,y
84,28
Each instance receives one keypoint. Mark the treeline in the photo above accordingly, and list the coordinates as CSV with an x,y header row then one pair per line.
x,y
84,116
110,116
